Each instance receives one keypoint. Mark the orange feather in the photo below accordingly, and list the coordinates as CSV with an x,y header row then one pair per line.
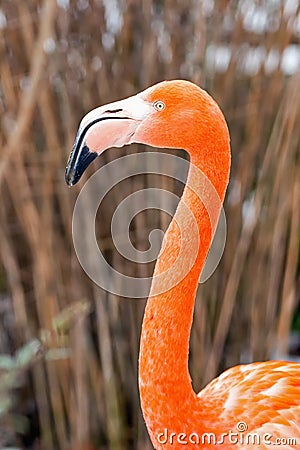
x,y
264,397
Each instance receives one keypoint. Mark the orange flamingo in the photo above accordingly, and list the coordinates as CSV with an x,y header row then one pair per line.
x,y
250,406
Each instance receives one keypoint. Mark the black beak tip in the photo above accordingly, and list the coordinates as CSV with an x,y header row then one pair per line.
x,y
79,160
68,177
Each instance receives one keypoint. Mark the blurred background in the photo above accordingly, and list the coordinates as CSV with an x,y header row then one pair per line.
x,y
69,350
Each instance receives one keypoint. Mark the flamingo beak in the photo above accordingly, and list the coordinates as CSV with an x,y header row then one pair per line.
x,y
112,125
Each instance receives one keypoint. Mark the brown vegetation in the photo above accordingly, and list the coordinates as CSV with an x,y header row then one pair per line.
x,y
58,61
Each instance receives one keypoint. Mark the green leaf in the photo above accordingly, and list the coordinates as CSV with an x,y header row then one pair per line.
x,y
7,362
5,405
28,353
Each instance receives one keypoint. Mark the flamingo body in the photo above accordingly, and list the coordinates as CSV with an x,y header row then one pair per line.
x,y
263,397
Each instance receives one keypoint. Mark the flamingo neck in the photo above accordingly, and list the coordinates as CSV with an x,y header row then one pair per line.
x,y
165,384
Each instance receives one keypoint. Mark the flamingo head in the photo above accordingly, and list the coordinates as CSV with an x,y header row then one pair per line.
x,y
170,114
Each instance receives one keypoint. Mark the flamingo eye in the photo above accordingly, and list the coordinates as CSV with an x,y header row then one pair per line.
x,y
159,105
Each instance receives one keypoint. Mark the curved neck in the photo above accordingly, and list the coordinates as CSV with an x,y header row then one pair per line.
x,y
164,380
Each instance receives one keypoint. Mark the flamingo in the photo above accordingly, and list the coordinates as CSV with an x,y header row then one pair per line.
x,y
248,406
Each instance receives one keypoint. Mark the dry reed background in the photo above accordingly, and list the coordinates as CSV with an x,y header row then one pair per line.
x,y
71,377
